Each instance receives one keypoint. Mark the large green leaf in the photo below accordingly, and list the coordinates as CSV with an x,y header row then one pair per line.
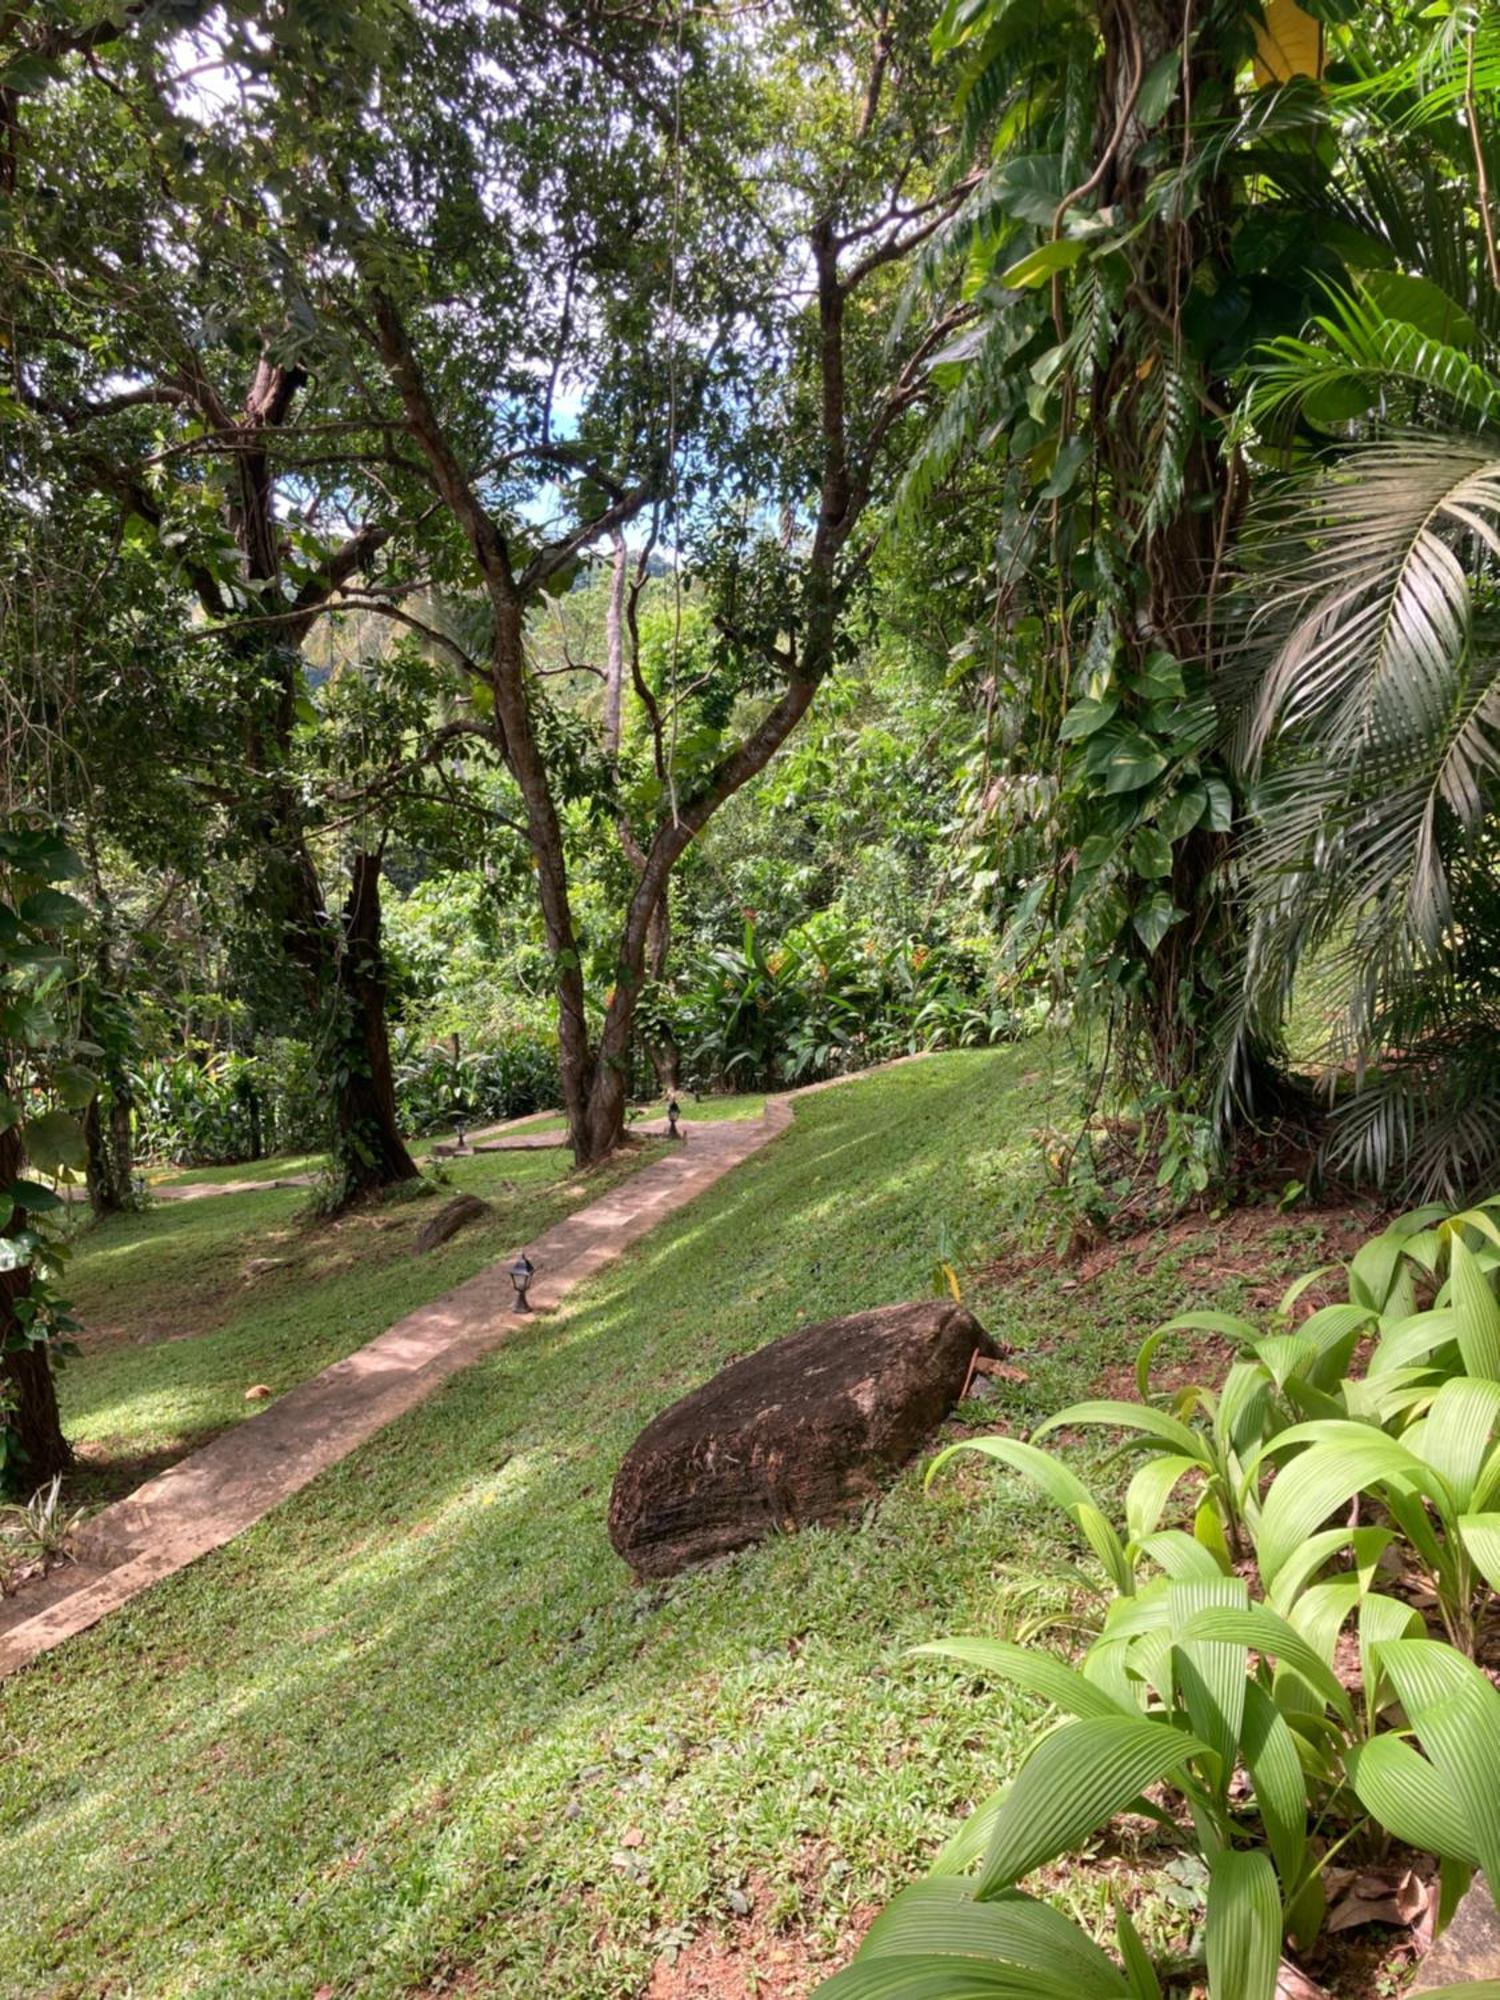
x,y
942,1915
1477,1313
1380,1619
937,1977
1232,1328
1242,1934
1403,1792
1152,1485
1456,1714
1211,1674
1179,1554
1061,1486
1480,1534
1038,265
1072,1783
1454,1436
1153,918
53,909
961,1851
1270,1753
1133,760
1029,1667
1346,1459
1121,1415
1264,1632
1139,1971
54,1142
1421,304
1409,1340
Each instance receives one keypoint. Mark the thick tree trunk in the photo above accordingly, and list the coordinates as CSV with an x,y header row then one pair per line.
x,y
32,1445
1176,1009
666,1057
111,1157
372,1153
342,982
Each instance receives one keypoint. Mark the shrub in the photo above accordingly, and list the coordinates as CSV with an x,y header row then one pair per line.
x,y
1213,1698
825,1001
517,1074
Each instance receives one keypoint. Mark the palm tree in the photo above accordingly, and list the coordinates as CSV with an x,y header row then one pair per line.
x,y
1373,734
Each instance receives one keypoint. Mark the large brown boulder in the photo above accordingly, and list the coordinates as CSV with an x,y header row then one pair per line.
x,y
806,1429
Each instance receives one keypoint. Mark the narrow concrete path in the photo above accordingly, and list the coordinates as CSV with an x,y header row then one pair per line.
x,y
201,1190
216,1493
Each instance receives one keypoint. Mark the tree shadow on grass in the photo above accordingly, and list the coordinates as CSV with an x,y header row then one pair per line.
x,y
411,1717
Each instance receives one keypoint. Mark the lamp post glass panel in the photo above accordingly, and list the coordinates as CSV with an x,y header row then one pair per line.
x,y
460,1127
521,1274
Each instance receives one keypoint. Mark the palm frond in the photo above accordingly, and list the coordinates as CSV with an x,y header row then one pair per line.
x,y
1374,737
1361,360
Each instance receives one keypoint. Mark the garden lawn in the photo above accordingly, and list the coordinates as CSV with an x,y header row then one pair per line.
x,y
277,1166
191,1304
418,1733
694,1110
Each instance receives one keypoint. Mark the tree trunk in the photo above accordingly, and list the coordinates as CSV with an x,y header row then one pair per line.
x,y
614,648
1177,1008
111,1161
370,1150
666,1057
32,1445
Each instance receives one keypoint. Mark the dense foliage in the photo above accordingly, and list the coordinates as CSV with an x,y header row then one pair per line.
x,y
1215,1697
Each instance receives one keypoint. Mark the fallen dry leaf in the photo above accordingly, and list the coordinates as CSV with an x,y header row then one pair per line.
x,y
1002,1371
632,1837
259,1392
1376,1896
1294,1985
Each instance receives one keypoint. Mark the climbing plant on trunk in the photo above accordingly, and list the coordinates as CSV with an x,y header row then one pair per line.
x,y
43,1086
1130,262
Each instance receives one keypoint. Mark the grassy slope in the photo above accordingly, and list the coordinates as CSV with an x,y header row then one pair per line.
x,y
142,1393
420,1720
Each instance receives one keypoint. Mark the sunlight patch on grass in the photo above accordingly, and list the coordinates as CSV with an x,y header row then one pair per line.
x,y
400,1730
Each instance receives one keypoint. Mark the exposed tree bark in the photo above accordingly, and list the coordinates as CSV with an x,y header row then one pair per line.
x,y
1177,555
375,1154
33,1441
614,646
109,1172
596,1072
347,1013
107,1121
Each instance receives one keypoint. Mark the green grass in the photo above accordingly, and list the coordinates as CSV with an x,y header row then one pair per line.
x,y
283,1164
181,1322
418,1732
695,1111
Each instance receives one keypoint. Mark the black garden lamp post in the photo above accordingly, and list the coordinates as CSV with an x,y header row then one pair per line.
x,y
674,1112
521,1274
460,1127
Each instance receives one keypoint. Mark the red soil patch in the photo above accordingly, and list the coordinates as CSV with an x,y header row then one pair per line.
x,y
1239,1247
743,1961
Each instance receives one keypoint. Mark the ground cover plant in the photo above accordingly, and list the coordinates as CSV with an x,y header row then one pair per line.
x,y
1273,1682
417,1729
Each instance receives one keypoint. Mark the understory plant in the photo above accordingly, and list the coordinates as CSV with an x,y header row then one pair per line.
x,y
824,1000
1297,1592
